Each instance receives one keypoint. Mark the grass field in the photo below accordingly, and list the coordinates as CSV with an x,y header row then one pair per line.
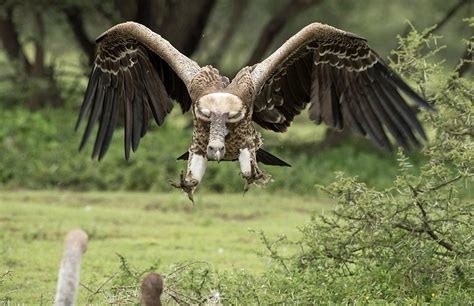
x,y
145,228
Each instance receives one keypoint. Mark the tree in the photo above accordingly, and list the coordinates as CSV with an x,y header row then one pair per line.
x,y
35,76
182,23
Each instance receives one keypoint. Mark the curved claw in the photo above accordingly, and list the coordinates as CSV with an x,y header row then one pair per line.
x,y
187,184
257,177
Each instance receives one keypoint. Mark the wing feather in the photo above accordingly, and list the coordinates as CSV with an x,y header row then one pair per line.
x,y
94,114
129,123
137,121
110,129
104,122
345,82
136,74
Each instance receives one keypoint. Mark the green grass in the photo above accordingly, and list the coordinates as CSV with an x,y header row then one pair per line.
x,y
145,228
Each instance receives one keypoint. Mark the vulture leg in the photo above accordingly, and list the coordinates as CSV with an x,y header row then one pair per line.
x,y
250,171
196,167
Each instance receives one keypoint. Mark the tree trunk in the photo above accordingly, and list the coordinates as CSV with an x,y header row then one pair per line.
x,y
10,40
184,24
44,89
148,13
276,24
181,22
333,138
229,32
36,76
76,21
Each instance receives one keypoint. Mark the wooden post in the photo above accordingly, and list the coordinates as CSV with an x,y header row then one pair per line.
x,y
152,288
75,245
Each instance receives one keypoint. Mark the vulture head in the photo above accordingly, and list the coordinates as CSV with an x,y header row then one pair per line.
x,y
219,109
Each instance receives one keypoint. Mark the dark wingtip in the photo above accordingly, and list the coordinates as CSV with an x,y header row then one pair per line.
x,y
101,154
424,103
183,156
78,124
82,144
404,87
127,155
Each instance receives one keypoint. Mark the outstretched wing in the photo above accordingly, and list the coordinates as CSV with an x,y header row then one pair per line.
x,y
136,74
345,82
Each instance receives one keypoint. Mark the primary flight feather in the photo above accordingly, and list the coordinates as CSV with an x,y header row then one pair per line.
x,y
138,74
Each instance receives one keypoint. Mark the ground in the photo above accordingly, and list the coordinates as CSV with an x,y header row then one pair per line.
x,y
145,228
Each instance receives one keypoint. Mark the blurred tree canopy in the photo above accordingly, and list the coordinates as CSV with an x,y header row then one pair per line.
x,y
48,46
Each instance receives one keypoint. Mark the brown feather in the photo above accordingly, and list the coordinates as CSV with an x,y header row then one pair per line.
x,y
345,82
133,77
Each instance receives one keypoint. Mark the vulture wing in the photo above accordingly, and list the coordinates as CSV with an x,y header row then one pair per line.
x,y
136,75
345,82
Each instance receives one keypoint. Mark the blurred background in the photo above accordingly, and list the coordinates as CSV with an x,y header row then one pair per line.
x,y
47,48
137,222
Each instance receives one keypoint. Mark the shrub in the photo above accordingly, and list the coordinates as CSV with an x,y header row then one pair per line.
x,y
409,243
39,150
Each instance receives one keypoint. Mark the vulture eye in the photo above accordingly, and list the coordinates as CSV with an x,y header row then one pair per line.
x,y
234,114
205,112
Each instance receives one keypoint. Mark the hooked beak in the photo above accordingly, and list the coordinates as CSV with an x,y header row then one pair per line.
x,y
218,156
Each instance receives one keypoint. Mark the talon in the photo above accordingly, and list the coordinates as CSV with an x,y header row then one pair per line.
x,y
257,177
246,187
186,184
190,197
248,180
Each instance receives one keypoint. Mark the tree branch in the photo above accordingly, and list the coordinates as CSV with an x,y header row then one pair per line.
x,y
238,10
453,180
426,222
442,22
451,12
466,60
10,39
39,69
184,25
147,13
127,9
107,15
276,24
75,19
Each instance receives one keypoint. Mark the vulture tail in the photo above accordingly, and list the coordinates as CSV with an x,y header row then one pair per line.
x,y
184,156
262,156
268,159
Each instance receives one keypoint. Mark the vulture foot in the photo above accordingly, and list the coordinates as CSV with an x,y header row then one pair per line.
x,y
187,184
257,177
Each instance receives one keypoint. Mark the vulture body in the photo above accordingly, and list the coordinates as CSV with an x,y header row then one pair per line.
x,y
138,74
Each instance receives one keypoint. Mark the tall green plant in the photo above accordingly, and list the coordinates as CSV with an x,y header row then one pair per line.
x,y
414,239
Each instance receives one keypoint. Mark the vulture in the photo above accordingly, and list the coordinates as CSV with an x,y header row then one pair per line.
x,y
138,76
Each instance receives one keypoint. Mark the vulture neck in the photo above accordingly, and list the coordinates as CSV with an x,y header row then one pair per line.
x,y
218,129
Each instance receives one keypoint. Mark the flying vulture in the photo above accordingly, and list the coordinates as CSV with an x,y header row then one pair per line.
x,y
139,75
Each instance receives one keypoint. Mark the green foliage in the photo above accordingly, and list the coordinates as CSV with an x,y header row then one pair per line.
x,y
407,240
149,230
410,243
39,150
